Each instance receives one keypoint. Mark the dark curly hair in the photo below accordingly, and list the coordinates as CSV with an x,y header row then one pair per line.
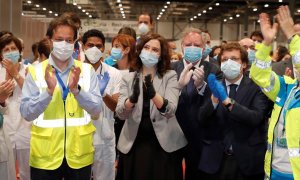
x,y
163,64
235,46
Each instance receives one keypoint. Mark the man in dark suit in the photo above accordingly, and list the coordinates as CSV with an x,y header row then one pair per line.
x,y
240,110
192,72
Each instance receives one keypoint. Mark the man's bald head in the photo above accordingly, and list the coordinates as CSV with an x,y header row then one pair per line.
x,y
247,43
297,28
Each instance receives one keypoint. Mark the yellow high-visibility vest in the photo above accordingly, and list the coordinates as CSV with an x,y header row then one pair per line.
x,y
64,130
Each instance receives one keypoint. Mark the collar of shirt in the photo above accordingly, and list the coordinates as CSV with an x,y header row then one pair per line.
x,y
70,60
238,82
101,69
185,63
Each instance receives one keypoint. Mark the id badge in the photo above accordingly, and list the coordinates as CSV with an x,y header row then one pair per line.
x,y
281,142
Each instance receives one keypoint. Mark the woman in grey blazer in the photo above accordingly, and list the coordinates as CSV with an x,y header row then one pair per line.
x,y
151,139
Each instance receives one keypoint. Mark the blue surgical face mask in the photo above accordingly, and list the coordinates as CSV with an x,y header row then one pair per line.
x,y
116,53
192,54
231,69
215,57
13,56
251,56
148,59
207,50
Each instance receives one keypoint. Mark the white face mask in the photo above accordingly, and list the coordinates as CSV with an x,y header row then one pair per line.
x,y
62,50
143,28
93,54
231,69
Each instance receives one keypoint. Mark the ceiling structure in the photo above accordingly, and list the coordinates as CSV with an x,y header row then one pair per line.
x,y
176,10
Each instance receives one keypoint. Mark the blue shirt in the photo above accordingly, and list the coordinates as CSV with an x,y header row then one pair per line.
x,y
34,103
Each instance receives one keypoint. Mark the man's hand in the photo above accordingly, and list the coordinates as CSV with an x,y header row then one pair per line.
x,y
11,68
103,81
185,76
136,89
269,32
198,76
73,80
50,79
6,88
285,21
216,88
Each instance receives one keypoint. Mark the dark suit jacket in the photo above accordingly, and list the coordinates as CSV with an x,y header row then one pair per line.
x,y
248,122
190,111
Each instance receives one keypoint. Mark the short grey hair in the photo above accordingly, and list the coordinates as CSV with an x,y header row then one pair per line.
x,y
190,30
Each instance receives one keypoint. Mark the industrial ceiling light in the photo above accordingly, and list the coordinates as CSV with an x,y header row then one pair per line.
x,y
254,9
79,7
237,15
44,9
210,8
37,5
120,5
168,2
166,7
191,19
55,14
280,1
50,12
225,20
163,10
199,14
83,10
75,4
29,2
217,4
195,17
87,13
266,5
204,11
230,18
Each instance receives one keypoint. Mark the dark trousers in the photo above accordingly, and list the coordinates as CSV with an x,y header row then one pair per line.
x,y
229,171
63,172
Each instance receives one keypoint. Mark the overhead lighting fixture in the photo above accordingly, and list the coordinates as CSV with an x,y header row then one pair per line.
x,y
237,15
22,14
254,9
266,5
44,9
122,12
217,4
210,8
163,10
157,18
118,1
74,3
83,10
298,10
37,5
160,13
168,2
87,13
90,16
279,0
50,12
258,21
191,19
199,14
79,7
165,6
204,11
29,2
195,17
230,18
120,5
55,14
121,9
225,20
124,17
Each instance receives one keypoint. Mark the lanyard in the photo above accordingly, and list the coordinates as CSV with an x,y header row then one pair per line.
x,y
61,83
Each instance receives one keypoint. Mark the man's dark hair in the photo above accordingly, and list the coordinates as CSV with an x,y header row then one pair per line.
x,y
257,33
148,14
93,33
61,21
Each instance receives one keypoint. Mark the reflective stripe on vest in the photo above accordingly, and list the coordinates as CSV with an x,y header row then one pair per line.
x,y
52,123
262,64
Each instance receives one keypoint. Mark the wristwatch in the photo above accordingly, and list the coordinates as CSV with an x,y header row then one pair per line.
x,y
230,105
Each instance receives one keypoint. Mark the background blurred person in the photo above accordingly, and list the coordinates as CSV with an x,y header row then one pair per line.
x,y
44,49
17,128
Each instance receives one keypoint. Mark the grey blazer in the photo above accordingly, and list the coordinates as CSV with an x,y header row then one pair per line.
x,y
166,127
